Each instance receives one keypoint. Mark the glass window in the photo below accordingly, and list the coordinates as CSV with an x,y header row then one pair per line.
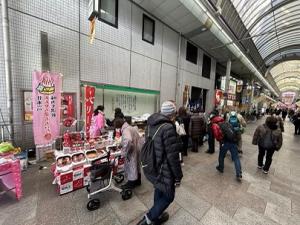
x,y
191,53
108,12
206,66
148,29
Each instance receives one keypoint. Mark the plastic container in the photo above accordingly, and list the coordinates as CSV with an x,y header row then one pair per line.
x,y
64,163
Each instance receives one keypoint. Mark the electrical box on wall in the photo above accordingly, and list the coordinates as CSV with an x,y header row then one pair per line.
x,y
93,9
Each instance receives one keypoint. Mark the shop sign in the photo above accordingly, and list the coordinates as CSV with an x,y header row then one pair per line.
x,y
46,100
231,97
89,108
239,86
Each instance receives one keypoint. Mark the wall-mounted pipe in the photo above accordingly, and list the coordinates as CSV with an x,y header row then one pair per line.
x,y
7,63
200,12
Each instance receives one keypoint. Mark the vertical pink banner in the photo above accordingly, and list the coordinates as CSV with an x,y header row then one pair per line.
x,y
46,99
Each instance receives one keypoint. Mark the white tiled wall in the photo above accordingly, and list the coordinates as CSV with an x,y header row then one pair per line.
x,y
118,55
143,47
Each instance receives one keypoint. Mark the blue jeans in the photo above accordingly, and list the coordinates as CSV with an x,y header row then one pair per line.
x,y
161,202
232,147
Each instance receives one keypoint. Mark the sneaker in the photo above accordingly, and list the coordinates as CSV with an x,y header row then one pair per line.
x,y
209,152
143,222
265,171
239,178
219,169
240,152
259,167
164,217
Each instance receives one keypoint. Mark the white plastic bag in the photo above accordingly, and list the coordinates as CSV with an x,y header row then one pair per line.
x,y
180,129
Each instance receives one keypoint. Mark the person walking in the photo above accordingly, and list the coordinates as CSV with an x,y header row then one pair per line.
x,y
268,137
184,118
211,138
162,129
98,122
238,123
197,130
130,148
225,134
284,114
296,122
280,123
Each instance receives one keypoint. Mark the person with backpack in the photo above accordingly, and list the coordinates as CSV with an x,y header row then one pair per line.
x,y
238,123
268,137
160,162
226,135
130,147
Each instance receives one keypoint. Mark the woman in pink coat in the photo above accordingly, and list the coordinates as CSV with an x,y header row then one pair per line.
x,y
98,121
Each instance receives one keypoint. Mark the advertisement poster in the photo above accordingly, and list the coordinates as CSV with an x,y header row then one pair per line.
x,y
27,106
89,108
218,97
46,100
232,87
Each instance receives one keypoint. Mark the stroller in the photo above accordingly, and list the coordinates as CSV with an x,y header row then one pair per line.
x,y
102,171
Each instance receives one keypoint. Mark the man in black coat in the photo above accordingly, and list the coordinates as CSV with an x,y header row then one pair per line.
x,y
167,146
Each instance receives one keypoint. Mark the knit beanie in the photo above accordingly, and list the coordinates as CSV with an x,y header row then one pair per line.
x,y
168,108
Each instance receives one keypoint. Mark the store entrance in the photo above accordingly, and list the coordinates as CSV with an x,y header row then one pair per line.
x,y
198,98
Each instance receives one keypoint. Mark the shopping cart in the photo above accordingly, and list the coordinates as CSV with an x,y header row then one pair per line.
x,y
102,173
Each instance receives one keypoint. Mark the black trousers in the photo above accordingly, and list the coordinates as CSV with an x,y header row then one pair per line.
x,y
185,143
297,128
211,140
269,155
195,141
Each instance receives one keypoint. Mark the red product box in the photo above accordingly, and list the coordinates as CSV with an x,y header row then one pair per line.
x,y
65,188
77,184
66,178
78,174
86,171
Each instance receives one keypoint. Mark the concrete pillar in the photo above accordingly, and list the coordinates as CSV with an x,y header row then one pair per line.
x,y
228,70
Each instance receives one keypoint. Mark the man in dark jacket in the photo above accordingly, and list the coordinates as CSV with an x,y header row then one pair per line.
x,y
268,137
167,162
197,130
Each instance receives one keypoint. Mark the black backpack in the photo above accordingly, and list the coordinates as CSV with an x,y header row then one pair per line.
x,y
148,157
268,141
228,132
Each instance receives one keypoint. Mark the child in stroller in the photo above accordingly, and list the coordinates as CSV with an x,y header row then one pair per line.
x,y
102,171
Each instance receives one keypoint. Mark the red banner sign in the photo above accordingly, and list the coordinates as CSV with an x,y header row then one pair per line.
x,y
89,108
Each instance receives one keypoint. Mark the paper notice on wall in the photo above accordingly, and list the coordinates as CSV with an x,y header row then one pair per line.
x,y
46,100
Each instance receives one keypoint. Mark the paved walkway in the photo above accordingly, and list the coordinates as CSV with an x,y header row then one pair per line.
x,y
205,197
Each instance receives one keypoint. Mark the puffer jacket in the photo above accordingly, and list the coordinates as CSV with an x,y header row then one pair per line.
x,y
216,128
167,147
261,131
197,126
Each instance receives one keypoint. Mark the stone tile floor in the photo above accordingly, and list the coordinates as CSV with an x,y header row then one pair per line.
x,y
205,196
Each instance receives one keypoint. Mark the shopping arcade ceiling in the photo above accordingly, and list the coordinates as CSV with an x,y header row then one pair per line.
x,y
274,27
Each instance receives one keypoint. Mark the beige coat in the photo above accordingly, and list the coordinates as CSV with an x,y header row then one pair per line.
x,y
131,146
